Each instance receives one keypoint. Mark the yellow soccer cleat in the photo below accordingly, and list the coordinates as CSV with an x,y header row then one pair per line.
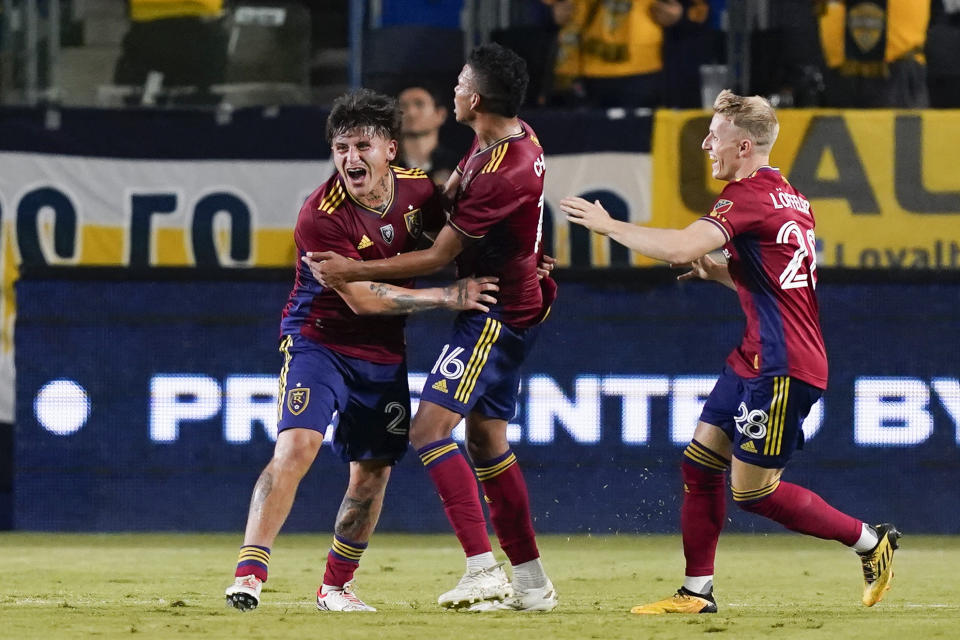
x,y
683,601
878,564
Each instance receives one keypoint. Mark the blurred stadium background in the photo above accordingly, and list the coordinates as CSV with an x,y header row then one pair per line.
x,y
146,253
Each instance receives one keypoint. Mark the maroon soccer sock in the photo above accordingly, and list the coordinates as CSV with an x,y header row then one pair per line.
x,y
703,510
802,510
506,495
253,559
342,561
457,487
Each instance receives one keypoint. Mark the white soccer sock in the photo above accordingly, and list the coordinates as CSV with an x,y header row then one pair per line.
x,y
698,584
480,561
529,575
868,539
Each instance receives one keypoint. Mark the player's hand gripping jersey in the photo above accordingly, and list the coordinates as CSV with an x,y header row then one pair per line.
x,y
331,220
499,203
771,251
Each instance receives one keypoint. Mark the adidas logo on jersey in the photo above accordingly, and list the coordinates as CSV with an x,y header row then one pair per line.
x,y
440,385
364,242
749,446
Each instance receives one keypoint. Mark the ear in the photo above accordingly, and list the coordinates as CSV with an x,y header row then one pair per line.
x,y
746,146
391,150
442,113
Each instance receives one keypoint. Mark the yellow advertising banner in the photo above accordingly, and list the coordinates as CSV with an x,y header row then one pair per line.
x,y
884,185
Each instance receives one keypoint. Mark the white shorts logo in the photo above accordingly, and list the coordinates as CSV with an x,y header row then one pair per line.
x,y
751,423
449,365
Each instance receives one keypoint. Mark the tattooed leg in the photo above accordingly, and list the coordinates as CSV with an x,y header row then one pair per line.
x,y
277,486
363,500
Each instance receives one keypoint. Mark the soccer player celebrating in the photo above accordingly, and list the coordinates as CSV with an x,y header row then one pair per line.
x,y
342,366
751,420
494,231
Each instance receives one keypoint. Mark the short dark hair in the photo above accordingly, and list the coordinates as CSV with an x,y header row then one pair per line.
x,y
363,109
501,77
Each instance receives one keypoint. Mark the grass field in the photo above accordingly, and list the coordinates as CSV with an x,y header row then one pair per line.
x,y
171,586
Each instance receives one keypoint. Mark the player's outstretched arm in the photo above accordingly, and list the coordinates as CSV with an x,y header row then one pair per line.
x,y
675,246
706,268
333,270
377,298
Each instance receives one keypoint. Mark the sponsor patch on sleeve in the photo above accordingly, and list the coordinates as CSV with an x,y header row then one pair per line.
x,y
723,205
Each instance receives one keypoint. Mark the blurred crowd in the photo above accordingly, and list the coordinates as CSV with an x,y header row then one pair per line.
x,y
638,53
676,53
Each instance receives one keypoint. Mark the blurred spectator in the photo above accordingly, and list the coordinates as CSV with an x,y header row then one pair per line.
x,y
687,44
943,54
532,35
621,42
874,52
423,116
185,40
786,61
566,87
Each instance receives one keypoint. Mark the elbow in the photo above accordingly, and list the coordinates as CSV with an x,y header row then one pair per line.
x,y
365,311
680,255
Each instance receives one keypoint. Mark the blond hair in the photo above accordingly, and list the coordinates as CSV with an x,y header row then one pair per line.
x,y
752,114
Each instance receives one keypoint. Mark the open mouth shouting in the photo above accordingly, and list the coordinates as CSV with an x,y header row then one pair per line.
x,y
356,175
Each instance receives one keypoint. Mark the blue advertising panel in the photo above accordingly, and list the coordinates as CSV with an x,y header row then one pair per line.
x,y
150,405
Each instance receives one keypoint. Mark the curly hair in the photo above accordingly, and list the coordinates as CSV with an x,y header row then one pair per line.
x,y
501,77
753,114
364,109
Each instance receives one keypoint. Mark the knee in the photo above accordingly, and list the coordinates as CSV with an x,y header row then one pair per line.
x,y
486,444
295,456
477,446
431,423
419,435
761,500
291,464
368,479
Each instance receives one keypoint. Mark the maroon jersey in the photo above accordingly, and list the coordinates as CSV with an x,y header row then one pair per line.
x,y
771,250
331,220
499,205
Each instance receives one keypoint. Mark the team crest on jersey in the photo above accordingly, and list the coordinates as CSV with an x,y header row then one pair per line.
x,y
723,206
414,222
297,400
387,232
866,22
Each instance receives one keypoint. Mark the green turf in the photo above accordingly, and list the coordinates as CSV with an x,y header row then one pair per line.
x,y
169,586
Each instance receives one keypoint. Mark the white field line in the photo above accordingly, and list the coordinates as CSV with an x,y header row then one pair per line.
x,y
81,602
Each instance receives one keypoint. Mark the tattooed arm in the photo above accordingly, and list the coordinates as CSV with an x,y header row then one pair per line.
x,y
376,298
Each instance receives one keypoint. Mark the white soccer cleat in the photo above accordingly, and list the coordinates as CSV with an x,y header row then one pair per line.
x,y
477,586
539,599
334,599
244,593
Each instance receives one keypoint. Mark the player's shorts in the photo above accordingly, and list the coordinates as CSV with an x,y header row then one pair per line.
x,y
479,367
761,416
367,404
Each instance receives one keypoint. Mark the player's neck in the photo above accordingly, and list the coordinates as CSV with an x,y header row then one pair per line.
x,y
750,166
379,195
490,129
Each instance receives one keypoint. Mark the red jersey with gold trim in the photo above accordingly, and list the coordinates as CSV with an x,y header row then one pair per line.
x,y
499,206
331,220
771,252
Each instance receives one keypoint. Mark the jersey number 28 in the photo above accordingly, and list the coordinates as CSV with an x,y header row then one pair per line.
x,y
794,276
